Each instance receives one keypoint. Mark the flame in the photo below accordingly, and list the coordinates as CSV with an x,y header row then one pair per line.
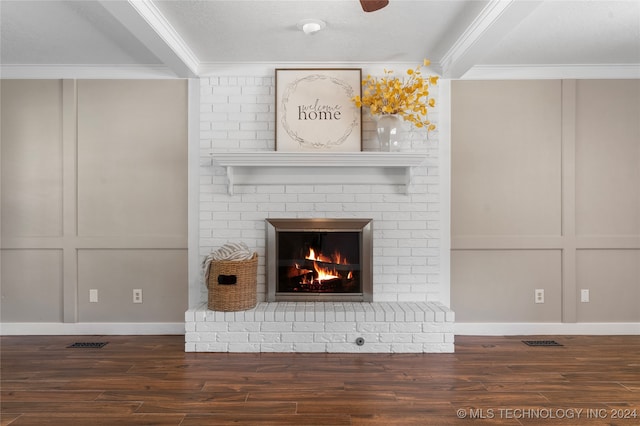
x,y
335,258
319,257
324,273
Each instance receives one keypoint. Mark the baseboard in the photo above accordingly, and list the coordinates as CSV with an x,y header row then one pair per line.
x,y
90,328
471,329
541,328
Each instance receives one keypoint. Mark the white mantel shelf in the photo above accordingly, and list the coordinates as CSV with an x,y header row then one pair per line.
x,y
272,167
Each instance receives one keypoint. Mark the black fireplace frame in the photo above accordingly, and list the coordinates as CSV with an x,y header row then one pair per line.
x,y
365,236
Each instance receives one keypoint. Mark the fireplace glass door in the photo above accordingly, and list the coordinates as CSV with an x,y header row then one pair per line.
x,y
319,259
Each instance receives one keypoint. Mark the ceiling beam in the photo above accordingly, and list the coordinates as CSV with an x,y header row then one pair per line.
x,y
491,25
145,21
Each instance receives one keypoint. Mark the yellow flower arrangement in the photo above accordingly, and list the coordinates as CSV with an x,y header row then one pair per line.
x,y
408,97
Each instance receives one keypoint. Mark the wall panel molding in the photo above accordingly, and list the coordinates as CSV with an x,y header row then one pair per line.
x,y
41,142
69,198
599,184
569,284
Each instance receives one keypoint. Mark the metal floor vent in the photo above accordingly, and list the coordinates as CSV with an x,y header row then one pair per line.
x,y
88,345
541,343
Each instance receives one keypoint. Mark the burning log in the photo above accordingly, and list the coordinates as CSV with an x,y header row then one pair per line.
x,y
294,271
318,273
315,286
315,264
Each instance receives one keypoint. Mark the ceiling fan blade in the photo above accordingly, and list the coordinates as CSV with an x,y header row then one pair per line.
x,y
373,5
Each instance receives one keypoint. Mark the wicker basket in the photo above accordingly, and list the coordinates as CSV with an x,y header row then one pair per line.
x,y
232,284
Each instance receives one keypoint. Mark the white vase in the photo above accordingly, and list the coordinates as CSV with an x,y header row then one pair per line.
x,y
390,132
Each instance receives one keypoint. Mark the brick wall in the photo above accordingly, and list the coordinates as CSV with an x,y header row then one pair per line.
x,y
323,327
237,113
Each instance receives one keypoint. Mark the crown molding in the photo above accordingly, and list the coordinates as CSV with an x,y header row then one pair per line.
x,y
496,20
478,72
545,72
212,69
150,12
145,22
85,72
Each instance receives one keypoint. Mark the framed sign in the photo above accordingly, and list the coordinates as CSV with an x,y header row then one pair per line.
x,y
314,110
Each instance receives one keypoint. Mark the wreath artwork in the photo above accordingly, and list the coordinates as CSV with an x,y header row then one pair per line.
x,y
316,141
315,111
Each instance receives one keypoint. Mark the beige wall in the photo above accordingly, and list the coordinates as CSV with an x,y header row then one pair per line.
x,y
546,195
94,196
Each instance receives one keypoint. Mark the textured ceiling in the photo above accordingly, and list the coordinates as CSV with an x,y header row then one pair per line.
x,y
464,39
69,32
578,32
266,31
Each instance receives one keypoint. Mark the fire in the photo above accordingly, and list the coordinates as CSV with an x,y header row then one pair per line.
x,y
322,272
336,258
316,271
325,273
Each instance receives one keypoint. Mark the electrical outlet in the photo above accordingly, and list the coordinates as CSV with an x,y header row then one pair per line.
x,y
584,295
137,295
93,295
539,295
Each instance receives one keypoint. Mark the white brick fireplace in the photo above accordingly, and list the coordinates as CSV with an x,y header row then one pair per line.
x,y
407,313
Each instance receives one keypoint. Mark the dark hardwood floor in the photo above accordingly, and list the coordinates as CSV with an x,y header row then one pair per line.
x,y
591,380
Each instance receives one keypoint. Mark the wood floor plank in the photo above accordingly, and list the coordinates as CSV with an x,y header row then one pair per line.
x,y
36,419
422,420
585,396
75,407
223,407
150,380
323,397
373,407
34,384
259,419
6,419
411,385
173,396
632,386
553,386
48,395
473,397
131,382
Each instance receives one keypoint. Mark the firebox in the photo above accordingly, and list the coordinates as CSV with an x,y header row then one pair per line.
x,y
319,260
